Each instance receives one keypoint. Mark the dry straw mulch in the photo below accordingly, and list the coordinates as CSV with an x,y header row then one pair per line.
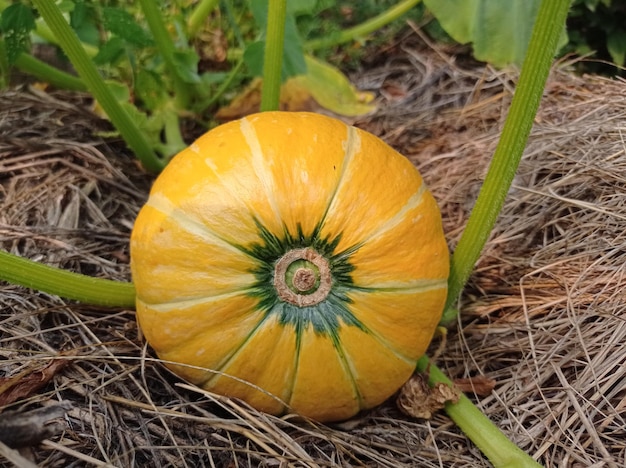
x,y
544,315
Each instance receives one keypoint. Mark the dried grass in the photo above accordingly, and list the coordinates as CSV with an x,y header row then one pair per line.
x,y
544,314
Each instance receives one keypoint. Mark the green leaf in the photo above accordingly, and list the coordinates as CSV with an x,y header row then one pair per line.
x,y
211,78
123,24
457,18
616,45
253,57
332,89
120,91
67,6
293,54
150,89
186,62
82,21
110,52
16,23
498,30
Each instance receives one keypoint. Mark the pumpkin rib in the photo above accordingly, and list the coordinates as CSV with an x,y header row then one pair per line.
x,y
221,374
399,325
384,342
161,203
237,318
164,307
351,371
420,285
352,145
388,345
228,359
259,165
345,364
400,216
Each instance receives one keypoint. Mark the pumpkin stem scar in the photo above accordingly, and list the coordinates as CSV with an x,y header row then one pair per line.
x,y
302,277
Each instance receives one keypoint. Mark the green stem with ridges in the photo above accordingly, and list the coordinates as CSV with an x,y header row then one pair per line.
x,y
166,48
174,141
52,75
500,451
96,85
273,56
535,69
363,29
199,15
64,283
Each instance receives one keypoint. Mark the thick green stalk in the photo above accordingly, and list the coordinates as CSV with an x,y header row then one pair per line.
x,y
64,283
96,85
535,69
44,72
166,48
488,438
273,57
199,15
363,29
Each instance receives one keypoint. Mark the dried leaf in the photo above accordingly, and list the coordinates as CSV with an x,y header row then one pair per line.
x,y
26,383
418,400
293,98
322,86
333,91
479,385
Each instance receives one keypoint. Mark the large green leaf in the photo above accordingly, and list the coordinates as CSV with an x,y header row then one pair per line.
x,y
123,24
499,30
16,23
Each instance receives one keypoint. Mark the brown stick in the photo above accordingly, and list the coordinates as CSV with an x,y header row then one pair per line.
x,y
27,428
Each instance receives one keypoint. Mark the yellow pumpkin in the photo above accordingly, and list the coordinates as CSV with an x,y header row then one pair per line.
x,y
291,261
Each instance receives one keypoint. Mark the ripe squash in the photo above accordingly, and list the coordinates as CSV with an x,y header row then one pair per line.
x,y
291,261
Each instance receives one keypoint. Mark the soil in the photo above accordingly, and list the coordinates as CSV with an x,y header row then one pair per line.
x,y
538,345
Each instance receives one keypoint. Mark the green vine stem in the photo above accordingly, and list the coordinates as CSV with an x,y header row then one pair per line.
x,y
166,47
273,56
174,141
534,74
364,28
87,71
64,283
44,72
535,69
488,438
199,15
